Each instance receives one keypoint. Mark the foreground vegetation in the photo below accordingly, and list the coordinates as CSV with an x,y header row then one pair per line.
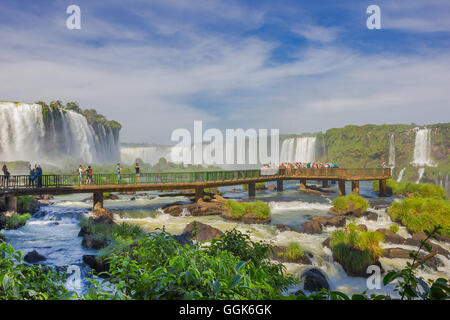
x,y
356,249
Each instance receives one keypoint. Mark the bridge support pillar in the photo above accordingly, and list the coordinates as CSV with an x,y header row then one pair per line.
x,y
98,201
11,204
251,189
302,184
341,188
198,193
280,185
333,181
382,187
324,183
355,187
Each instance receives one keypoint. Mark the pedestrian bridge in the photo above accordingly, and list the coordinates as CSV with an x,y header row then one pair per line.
x,y
19,185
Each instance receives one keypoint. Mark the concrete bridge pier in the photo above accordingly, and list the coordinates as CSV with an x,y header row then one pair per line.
x,y
11,204
355,187
251,189
280,185
198,193
324,183
98,201
302,184
382,187
333,181
341,188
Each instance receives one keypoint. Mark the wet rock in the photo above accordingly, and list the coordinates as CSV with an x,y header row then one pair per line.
x,y
33,257
277,254
373,216
362,227
200,208
284,227
95,264
201,232
391,237
90,242
315,280
356,212
311,227
133,198
417,239
335,221
326,243
271,187
400,253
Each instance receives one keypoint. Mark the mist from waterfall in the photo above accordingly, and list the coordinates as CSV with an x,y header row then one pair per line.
x,y
24,135
422,148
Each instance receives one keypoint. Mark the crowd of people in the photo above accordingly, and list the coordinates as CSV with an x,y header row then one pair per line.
x,y
35,177
300,165
86,174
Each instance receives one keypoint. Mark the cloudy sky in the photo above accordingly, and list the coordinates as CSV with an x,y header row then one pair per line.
x,y
300,66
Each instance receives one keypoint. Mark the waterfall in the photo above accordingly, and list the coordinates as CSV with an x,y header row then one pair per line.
x,y
306,149
149,155
25,134
422,148
287,150
400,176
421,171
392,152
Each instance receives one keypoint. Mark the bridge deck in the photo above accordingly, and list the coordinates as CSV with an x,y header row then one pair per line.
x,y
66,184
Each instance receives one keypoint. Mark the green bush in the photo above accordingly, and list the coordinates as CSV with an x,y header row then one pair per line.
x,y
426,190
17,221
293,252
342,203
238,210
355,249
258,186
158,267
394,228
24,203
422,214
20,281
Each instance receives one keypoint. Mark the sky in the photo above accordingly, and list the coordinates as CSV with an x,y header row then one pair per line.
x,y
297,66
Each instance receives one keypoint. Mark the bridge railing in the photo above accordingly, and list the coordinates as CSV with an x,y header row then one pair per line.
x,y
50,181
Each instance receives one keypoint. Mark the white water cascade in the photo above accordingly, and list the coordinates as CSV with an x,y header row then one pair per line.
x,y
422,151
25,135
287,150
400,175
150,154
392,152
306,149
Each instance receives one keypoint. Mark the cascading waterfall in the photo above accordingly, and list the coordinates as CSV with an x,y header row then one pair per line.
x,y
287,150
400,176
306,149
422,151
25,134
392,152
149,155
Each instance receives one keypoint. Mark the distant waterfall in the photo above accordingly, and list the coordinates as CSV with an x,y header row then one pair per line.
x,y
400,176
287,150
149,155
25,134
422,148
422,151
306,149
392,152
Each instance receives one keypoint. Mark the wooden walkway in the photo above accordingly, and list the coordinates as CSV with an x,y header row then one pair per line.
x,y
19,185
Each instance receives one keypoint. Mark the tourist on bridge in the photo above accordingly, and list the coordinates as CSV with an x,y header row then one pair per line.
x,y
138,172
88,175
6,175
118,170
39,176
32,176
80,174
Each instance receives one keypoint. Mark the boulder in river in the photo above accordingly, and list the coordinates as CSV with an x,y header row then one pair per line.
x,y
201,232
335,221
33,257
373,216
311,227
315,280
96,264
90,242
391,237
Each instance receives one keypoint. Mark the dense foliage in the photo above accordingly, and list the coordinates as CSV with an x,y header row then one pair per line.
x,y
25,282
427,190
293,252
422,214
355,249
16,221
158,267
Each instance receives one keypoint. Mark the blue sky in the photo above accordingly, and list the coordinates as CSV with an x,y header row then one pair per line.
x,y
300,66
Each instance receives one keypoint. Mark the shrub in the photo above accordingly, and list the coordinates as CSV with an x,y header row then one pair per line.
x,y
394,228
293,252
158,267
20,281
24,203
422,214
343,203
17,221
354,249
239,209
426,190
258,186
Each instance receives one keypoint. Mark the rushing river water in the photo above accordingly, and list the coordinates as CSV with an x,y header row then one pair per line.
x,y
53,231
